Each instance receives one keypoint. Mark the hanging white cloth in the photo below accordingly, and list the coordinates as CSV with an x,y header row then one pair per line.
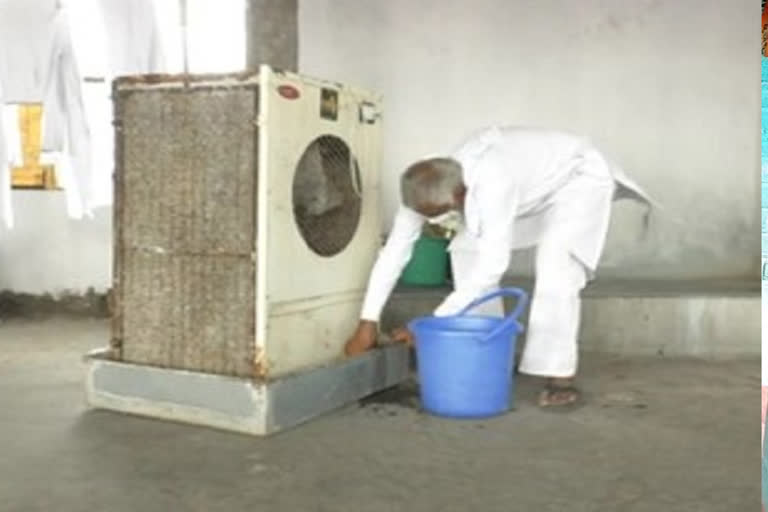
x,y
134,37
43,44
116,37
6,210
37,65
91,46
132,47
27,33
10,121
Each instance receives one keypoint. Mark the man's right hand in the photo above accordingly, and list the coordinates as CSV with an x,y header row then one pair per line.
x,y
363,340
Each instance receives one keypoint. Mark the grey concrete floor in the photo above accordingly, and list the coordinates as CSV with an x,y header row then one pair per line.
x,y
657,435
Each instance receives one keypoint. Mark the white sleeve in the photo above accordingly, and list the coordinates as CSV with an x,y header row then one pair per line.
x,y
498,208
391,261
78,131
6,212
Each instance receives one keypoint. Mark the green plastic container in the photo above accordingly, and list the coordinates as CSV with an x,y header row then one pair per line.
x,y
429,263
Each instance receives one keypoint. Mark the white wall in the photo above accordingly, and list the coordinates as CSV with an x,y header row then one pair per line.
x,y
667,87
47,252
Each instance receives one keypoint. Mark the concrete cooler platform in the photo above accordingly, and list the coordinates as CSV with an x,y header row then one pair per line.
x,y
235,404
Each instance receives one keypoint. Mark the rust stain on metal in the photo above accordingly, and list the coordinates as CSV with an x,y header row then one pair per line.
x,y
116,301
114,354
260,363
162,78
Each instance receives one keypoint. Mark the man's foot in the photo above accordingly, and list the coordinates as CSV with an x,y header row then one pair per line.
x,y
559,393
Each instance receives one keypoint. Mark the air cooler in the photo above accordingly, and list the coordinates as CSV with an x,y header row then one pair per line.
x,y
246,222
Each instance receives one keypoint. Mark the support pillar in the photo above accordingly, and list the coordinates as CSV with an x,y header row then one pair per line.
x,y
272,34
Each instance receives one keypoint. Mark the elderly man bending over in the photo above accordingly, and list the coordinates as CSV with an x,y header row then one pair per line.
x,y
510,188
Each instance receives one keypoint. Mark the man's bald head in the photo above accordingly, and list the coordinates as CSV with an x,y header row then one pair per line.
x,y
432,186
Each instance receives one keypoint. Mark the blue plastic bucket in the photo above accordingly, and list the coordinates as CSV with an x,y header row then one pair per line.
x,y
465,361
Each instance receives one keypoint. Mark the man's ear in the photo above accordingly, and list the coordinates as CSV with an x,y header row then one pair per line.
x,y
459,193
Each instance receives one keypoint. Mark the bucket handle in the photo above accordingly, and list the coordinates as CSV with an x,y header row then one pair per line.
x,y
522,301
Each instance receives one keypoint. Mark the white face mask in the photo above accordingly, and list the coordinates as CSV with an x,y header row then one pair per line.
x,y
451,220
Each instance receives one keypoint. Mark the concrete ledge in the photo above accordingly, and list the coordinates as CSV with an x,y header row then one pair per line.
x,y
699,326
713,319
88,304
240,405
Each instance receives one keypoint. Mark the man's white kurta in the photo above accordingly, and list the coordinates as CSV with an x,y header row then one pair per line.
x,y
513,177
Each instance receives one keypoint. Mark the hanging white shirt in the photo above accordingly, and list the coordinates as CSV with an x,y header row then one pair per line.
x,y
116,37
134,37
27,33
512,176
37,65
111,38
6,211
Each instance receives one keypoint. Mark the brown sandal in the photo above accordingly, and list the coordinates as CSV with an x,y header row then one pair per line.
x,y
551,398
